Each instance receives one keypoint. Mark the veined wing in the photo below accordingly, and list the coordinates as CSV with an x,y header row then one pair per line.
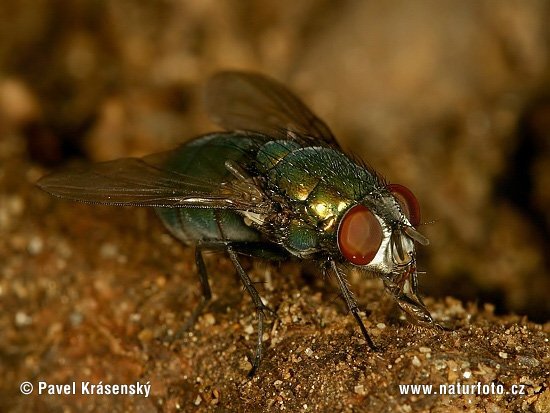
x,y
252,102
145,182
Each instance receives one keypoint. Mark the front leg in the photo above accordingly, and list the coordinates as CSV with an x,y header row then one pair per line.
x,y
409,301
351,303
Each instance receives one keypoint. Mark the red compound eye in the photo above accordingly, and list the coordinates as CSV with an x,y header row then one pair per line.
x,y
407,201
359,235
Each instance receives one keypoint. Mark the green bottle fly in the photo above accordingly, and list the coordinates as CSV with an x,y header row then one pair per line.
x,y
275,186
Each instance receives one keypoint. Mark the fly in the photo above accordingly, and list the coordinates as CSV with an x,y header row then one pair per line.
x,y
276,185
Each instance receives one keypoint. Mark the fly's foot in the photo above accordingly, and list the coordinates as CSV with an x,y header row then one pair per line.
x,y
418,314
442,328
366,335
264,308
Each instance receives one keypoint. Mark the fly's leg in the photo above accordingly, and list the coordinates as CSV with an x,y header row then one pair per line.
x,y
260,306
407,298
409,301
351,303
414,288
206,293
206,296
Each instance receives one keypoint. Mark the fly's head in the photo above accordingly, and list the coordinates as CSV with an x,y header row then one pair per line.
x,y
378,235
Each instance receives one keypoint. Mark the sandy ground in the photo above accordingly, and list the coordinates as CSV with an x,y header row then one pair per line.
x,y
450,99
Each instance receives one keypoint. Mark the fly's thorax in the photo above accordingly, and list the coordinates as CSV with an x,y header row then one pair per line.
x,y
316,183
324,205
301,239
297,171
270,154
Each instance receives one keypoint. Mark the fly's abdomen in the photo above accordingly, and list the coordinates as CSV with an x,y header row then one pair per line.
x,y
193,224
204,159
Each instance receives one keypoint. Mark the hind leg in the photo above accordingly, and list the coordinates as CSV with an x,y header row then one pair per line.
x,y
206,292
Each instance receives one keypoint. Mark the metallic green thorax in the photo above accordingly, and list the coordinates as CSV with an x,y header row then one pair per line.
x,y
312,185
320,184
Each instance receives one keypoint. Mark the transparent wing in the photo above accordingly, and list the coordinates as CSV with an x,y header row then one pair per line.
x,y
144,182
252,102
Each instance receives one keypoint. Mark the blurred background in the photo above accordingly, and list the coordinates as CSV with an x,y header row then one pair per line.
x,y
451,99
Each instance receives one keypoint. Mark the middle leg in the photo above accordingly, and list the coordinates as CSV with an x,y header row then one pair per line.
x,y
256,299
